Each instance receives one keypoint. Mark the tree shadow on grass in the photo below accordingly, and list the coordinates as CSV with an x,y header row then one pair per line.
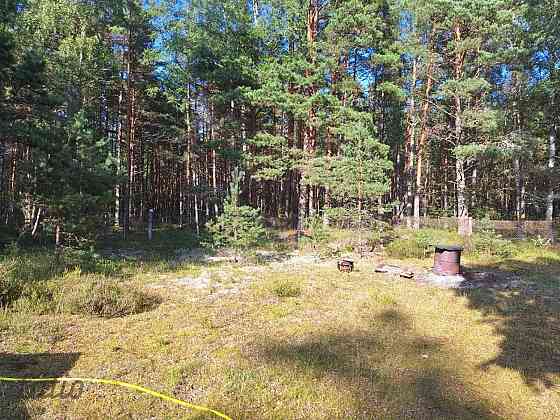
x,y
389,370
13,396
527,318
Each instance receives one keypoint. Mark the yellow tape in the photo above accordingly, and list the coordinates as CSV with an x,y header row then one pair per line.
x,y
124,385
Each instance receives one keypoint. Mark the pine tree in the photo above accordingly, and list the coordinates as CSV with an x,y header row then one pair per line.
x,y
238,227
358,175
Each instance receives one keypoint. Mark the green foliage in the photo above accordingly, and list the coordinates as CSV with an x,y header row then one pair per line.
x,y
493,245
9,288
216,83
358,175
487,241
406,248
285,288
270,157
89,261
317,231
541,242
238,227
31,279
419,244
36,297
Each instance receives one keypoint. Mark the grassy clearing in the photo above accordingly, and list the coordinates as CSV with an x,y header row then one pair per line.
x,y
293,342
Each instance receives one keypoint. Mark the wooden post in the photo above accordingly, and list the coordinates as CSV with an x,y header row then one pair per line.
x,y
57,235
465,226
150,224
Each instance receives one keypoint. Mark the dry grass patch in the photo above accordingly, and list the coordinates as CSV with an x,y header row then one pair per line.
x,y
107,299
357,346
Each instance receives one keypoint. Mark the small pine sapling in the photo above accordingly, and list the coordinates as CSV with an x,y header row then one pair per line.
x,y
238,227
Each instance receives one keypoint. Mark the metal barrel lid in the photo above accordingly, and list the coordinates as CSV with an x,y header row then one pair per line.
x,y
449,248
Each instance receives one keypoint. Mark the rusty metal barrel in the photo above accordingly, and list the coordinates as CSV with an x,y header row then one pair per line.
x,y
447,260
346,266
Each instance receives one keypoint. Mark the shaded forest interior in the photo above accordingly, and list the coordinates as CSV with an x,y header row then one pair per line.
x,y
333,109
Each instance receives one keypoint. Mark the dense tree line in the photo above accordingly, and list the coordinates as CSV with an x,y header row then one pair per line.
x,y
330,108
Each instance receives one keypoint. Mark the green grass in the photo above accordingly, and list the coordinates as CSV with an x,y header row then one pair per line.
x,y
287,286
291,342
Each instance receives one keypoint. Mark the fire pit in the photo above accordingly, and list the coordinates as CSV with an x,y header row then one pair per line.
x,y
346,266
447,260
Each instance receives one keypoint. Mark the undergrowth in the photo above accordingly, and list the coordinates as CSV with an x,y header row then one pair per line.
x,y
76,281
286,287
106,299
419,244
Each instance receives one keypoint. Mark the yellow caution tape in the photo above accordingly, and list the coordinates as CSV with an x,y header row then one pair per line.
x,y
124,385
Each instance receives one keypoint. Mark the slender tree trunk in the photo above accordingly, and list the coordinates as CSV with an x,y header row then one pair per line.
x,y
551,166
190,142
461,186
130,127
196,206
419,191
552,138
410,145
519,196
446,184
256,12
13,183
58,234
474,181
462,208
36,224
2,160
118,152
310,132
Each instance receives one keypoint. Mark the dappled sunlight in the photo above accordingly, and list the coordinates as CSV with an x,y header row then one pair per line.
x,y
388,370
527,320
16,397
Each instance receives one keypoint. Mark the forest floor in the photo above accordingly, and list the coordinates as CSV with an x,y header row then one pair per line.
x,y
284,335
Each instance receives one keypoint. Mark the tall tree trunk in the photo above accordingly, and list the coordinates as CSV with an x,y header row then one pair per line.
x,y
310,132
520,213
58,234
2,160
446,184
13,183
462,208
419,191
461,185
118,153
129,125
36,223
410,145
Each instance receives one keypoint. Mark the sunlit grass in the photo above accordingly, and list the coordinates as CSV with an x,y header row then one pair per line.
x,y
357,345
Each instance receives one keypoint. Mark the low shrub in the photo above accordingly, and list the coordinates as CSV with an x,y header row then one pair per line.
x,y
406,248
487,241
90,262
106,299
418,244
286,288
318,232
26,278
493,245
9,288
37,298
541,242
